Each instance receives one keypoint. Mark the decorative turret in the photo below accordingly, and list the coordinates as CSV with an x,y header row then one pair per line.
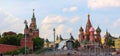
x,y
107,34
81,35
98,36
81,29
106,37
71,37
98,29
61,38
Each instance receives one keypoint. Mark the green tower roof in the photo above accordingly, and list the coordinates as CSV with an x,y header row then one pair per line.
x,y
98,29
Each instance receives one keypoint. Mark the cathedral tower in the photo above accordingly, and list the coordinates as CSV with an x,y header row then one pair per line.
x,y
88,26
33,25
92,39
98,36
81,35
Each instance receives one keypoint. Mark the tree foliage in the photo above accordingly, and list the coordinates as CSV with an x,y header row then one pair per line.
x,y
110,42
13,39
38,43
76,44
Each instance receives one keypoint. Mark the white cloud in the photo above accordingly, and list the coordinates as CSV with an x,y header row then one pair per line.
x,y
49,22
60,29
116,35
9,22
69,30
74,8
51,19
116,23
70,9
57,22
94,4
75,19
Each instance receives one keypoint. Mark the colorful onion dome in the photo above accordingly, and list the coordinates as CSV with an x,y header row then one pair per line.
x,y
98,29
81,29
91,29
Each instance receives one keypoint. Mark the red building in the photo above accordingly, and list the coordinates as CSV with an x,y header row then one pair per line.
x,y
89,37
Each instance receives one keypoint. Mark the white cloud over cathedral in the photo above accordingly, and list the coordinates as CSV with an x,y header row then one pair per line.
x,y
70,9
96,4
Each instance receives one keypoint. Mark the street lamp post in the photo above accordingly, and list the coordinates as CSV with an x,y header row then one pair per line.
x,y
25,45
54,37
25,35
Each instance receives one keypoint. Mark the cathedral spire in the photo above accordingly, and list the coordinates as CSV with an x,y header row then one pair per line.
x,y
33,16
88,21
33,22
88,25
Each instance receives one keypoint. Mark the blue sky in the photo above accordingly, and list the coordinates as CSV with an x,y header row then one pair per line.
x,y
67,16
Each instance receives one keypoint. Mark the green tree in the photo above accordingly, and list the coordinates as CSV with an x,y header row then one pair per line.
x,y
13,39
10,40
110,42
19,37
0,35
76,44
38,43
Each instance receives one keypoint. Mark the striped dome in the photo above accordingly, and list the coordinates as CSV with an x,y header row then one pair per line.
x,y
91,29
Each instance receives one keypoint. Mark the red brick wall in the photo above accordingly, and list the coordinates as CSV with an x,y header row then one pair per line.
x,y
5,48
29,43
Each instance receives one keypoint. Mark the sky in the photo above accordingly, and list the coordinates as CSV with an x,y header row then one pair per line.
x,y
66,16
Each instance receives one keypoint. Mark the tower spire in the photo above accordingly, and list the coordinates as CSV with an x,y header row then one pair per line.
x,y
33,16
88,21
88,25
33,21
